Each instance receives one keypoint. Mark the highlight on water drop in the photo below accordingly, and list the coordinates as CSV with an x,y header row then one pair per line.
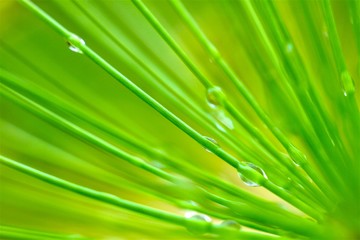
x,y
249,182
298,157
231,224
229,229
75,42
222,120
196,223
215,97
213,141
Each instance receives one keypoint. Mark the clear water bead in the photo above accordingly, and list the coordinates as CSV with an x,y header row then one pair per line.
x,y
220,127
229,229
75,42
213,141
196,223
247,181
288,159
215,97
231,224
221,116
297,156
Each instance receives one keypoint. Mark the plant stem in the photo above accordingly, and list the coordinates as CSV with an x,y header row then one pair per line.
x,y
118,202
204,141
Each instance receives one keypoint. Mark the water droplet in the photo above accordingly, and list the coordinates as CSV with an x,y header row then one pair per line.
x,y
196,223
220,115
289,47
215,97
229,229
348,84
75,42
297,156
189,214
289,159
230,224
220,127
213,141
246,166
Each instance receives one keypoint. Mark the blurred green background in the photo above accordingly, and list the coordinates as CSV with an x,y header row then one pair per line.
x,y
28,46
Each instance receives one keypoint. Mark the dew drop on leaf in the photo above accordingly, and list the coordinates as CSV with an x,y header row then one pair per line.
x,y
215,97
75,42
196,223
230,224
247,181
213,141
229,230
221,117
